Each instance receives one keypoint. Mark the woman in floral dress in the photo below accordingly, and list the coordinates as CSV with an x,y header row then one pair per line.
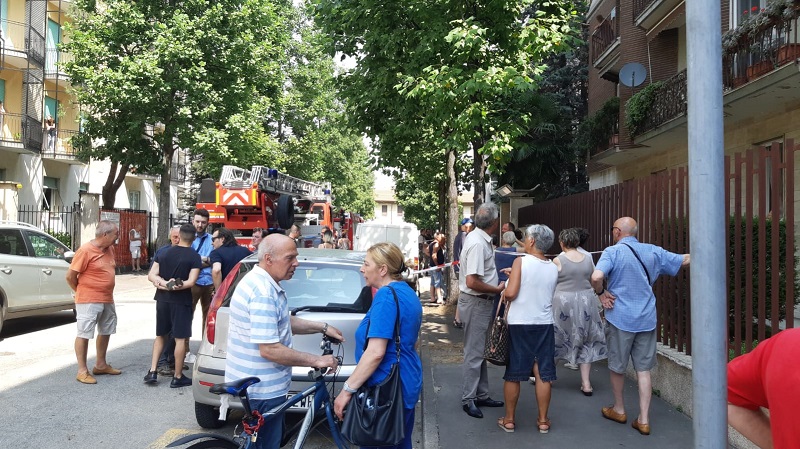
x,y
579,331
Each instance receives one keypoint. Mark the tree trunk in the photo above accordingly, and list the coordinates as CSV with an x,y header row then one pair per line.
x,y
478,176
114,180
452,221
164,189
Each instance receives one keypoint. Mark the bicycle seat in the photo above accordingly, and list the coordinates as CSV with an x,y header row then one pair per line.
x,y
236,388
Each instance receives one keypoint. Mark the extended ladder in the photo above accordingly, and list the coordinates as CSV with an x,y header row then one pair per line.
x,y
271,180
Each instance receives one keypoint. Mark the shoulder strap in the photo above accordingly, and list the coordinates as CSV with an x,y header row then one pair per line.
x,y
396,325
646,273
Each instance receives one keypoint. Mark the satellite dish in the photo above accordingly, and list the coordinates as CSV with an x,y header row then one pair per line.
x,y
632,74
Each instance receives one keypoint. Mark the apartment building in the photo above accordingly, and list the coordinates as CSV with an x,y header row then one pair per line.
x,y
761,82
39,158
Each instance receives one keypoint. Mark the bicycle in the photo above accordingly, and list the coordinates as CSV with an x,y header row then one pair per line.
x,y
320,409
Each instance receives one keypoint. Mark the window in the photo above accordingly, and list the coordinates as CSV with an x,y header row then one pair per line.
x,y
11,242
384,209
134,198
399,210
2,174
46,246
743,8
83,187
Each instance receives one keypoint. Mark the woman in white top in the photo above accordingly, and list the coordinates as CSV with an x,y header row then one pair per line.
x,y
529,293
135,245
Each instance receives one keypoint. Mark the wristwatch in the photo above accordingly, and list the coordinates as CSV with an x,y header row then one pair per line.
x,y
601,291
348,388
324,328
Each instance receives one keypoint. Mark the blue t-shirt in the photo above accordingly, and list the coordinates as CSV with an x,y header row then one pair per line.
x,y
202,244
228,256
635,305
381,320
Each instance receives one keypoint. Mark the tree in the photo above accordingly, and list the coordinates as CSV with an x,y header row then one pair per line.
x,y
432,79
155,75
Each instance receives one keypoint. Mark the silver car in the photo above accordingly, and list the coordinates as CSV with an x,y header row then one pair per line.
x,y
327,286
33,270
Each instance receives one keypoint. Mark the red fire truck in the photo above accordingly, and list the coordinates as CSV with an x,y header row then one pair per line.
x,y
264,198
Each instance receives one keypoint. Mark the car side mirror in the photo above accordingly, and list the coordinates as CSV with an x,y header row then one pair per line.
x,y
68,255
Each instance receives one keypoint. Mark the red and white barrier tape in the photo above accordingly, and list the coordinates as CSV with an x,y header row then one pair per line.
x,y
437,267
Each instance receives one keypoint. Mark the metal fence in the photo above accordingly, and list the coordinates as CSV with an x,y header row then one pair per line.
x,y
761,263
58,221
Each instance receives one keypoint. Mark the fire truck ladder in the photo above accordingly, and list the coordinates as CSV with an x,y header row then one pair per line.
x,y
271,180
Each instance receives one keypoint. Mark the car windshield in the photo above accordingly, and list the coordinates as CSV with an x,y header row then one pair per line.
x,y
319,285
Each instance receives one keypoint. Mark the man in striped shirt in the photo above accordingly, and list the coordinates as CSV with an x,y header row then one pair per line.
x,y
260,333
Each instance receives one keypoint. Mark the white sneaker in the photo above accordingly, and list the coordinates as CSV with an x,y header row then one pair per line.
x,y
571,366
191,358
532,380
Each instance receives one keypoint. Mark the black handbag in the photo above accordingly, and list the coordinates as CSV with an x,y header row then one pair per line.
x,y
374,416
497,348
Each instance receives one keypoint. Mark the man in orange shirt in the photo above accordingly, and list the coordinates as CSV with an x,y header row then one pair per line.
x,y
91,277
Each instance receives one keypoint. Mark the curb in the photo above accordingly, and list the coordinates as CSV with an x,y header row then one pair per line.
x,y
429,429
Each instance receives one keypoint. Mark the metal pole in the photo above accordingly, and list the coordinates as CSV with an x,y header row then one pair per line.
x,y
707,223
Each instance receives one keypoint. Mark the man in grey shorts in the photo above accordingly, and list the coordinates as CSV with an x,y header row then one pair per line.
x,y
478,284
631,268
91,276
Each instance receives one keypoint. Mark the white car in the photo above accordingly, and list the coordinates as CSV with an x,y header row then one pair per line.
x,y
33,271
327,286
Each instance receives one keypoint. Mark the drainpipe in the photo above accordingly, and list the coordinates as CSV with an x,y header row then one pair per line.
x,y
707,222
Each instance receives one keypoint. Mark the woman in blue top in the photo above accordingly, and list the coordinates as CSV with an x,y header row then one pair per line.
x,y
383,268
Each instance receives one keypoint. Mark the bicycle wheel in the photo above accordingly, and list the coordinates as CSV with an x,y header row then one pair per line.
x,y
213,444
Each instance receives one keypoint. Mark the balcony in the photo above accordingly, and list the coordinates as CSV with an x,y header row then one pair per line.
x,y
20,133
54,63
605,53
21,44
61,148
650,14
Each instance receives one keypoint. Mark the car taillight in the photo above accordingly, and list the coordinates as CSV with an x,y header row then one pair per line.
x,y
216,303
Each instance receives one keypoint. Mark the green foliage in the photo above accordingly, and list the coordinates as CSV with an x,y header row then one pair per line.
x,y
742,350
436,76
63,237
760,260
637,108
596,131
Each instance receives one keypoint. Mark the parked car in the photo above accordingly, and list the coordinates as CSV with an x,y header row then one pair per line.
x,y
327,286
33,270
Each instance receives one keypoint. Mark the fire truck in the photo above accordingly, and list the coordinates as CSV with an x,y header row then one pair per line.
x,y
265,198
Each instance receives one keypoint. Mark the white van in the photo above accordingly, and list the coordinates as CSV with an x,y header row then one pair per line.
x,y
403,235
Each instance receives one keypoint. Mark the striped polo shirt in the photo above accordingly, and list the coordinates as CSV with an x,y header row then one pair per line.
x,y
259,313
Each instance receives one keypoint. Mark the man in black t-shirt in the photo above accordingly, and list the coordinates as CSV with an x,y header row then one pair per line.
x,y
174,272
227,253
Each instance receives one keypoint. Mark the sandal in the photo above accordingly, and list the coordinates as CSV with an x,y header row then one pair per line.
x,y
544,426
504,424
458,324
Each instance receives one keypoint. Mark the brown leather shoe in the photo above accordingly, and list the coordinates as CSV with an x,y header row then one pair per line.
x,y
85,378
644,429
610,413
107,370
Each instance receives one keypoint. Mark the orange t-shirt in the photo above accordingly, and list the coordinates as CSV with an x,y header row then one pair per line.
x,y
96,274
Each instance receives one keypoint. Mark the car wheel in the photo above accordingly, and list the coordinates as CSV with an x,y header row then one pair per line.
x,y
207,416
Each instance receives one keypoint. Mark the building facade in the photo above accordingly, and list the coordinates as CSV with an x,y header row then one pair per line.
x,y
36,154
761,82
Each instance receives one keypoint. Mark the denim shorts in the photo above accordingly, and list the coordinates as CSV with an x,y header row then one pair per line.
x,y
531,343
436,278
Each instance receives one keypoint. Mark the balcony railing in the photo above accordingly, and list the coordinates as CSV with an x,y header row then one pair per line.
x,y
639,6
757,53
19,129
23,38
54,64
61,146
668,103
602,37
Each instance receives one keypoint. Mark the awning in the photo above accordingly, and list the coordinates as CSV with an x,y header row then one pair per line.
x,y
674,19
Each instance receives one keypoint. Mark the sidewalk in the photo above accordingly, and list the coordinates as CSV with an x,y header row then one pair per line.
x,y
576,419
